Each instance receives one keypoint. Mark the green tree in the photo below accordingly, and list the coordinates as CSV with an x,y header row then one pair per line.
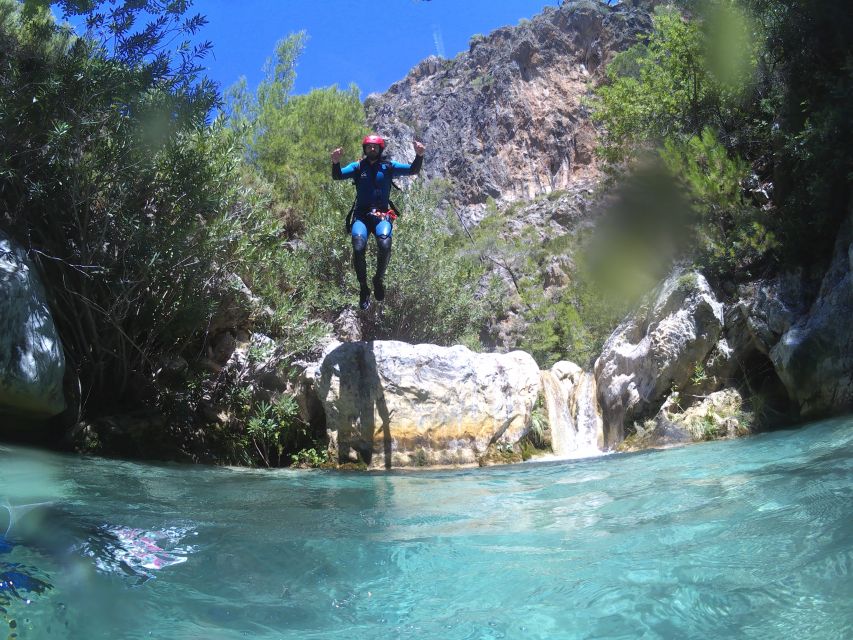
x,y
806,109
770,81
289,137
733,236
154,37
111,180
684,78
690,92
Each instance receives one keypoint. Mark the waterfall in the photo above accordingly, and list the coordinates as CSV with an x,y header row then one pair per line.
x,y
559,418
576,426
583,405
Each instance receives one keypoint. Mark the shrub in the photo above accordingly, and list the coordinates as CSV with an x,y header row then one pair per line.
x,y
113,182
677,82
272,429
310,458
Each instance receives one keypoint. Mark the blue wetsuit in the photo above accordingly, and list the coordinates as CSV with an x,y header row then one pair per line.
x,y
373,181
373,190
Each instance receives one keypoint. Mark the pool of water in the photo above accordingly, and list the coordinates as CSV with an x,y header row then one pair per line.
x,y
750,538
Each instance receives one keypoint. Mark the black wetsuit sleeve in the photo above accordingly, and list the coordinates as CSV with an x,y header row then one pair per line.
x,y
336,171
416,165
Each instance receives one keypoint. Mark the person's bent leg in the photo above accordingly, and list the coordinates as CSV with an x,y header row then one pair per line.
x,y
383,256
359,261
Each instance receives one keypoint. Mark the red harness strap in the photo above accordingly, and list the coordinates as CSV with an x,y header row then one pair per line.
x,y
384,215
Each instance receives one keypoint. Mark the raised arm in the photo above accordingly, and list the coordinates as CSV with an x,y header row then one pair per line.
x,y
339,173
414,168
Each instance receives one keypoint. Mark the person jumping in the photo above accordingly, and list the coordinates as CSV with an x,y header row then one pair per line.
x,y
372,212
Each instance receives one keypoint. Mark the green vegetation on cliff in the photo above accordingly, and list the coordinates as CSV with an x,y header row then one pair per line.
x,y
735,92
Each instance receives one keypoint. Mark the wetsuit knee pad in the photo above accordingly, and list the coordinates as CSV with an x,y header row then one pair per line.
x,y
359,235
383,230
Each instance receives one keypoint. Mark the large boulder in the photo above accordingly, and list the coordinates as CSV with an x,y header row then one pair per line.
x,y
814,357
764,311
392,404
654,349
32,364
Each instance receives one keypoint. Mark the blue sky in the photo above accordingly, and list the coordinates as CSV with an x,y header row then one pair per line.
x,y
372,43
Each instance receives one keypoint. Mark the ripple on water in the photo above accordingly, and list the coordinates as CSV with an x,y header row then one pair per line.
x,y
747,539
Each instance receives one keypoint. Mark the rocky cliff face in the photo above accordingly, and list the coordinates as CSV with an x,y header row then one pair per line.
x,y
814,357
506,119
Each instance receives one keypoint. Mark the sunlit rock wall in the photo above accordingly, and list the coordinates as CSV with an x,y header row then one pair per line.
x,y
656,349
506,119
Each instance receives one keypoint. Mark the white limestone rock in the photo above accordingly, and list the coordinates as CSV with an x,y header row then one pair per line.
x,y
654,349
393,404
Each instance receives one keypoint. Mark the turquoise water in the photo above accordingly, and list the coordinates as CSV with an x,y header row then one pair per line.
x,y
741,539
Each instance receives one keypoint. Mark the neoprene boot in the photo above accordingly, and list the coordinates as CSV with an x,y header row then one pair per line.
x,y
378,289
364,297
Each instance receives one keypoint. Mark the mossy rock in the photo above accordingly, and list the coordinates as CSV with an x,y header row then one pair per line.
x,y
501,453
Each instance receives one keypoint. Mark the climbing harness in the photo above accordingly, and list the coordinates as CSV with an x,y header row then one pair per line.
x,y
391,214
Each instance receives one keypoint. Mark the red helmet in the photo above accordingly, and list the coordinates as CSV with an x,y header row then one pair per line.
x,y
374,139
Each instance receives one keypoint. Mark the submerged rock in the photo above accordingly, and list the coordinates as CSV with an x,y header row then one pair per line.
x,y
32,364
392,404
